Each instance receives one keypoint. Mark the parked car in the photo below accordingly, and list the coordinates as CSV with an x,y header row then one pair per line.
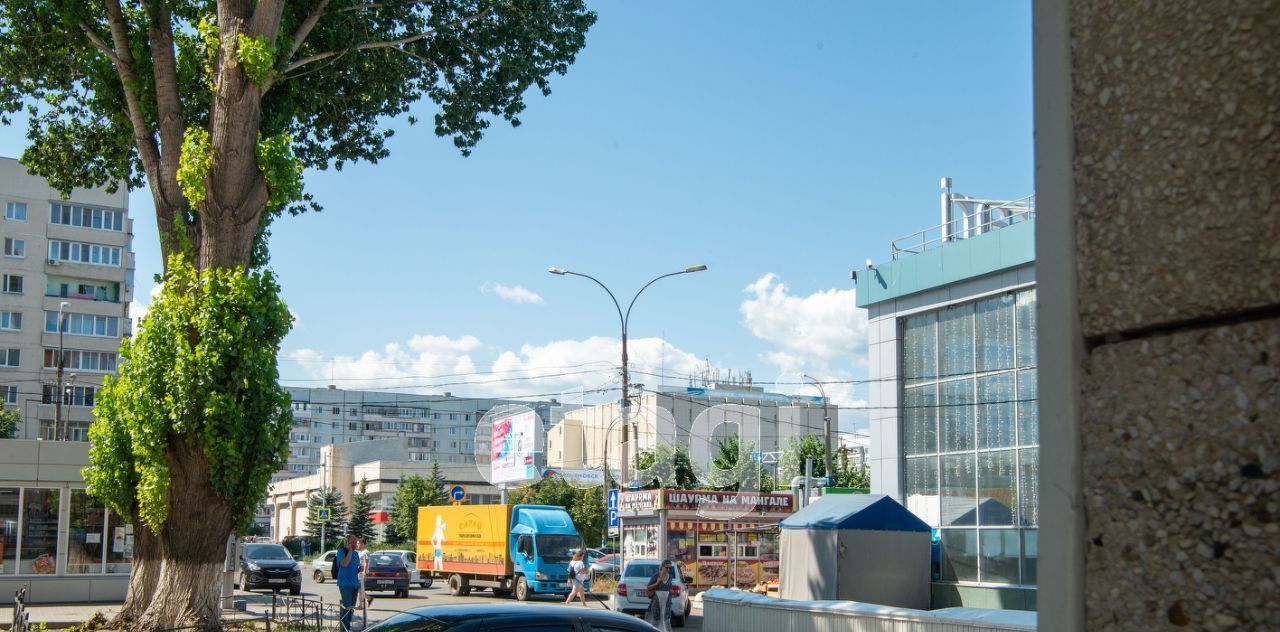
x,y
264,565
387,573
630,597
410,560
606,566
508,617
322,567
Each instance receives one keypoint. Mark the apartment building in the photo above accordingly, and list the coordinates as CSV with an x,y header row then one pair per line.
x,y
70,257
437,428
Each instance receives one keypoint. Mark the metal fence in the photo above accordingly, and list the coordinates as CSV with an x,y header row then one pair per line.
x,y
21,618
291,614
969,217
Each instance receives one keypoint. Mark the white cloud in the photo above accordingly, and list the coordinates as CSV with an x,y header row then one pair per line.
x,y
433,364
512,293
822,334
138,309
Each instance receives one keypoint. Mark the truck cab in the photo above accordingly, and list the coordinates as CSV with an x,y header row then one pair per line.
x,y
541,541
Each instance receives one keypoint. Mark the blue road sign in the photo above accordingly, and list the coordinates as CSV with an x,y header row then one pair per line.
x,y
458,493
322,514
613,499
613,517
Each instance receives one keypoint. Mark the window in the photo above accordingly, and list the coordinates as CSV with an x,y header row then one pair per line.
x,y
453,430
95,361
9,504
970,434
39,550
337,410
71,395
10,357
84,539
83,324
8,395
12,284
11,321
77,252
86,217
15,211
15,247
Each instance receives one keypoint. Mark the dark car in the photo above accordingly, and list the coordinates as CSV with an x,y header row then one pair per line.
x,y
269,566
509,617
387,572
606,566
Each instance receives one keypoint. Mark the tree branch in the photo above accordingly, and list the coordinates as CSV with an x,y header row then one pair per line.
x,y
100,44
379,5
304,29
170,120
397,43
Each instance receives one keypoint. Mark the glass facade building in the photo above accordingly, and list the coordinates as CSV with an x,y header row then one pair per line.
x,y
970,434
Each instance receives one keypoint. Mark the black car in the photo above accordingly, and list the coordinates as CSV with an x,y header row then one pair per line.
x,y
387,572
269,566
499,617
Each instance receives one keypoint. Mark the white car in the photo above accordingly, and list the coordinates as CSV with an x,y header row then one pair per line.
x,y
630,595
322,567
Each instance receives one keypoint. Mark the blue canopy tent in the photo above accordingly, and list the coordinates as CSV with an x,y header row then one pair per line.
x,y
856,547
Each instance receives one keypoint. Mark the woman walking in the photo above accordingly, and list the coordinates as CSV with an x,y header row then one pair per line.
x,y
578,577
659,590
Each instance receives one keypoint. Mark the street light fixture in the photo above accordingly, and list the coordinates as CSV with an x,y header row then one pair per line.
x,y
57,393
624,319
826,427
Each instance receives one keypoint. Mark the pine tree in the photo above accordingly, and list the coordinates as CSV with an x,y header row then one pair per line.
x,y
412,493
328,497
360,524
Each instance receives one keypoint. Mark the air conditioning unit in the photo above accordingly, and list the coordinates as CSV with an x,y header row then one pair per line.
x,y
54,262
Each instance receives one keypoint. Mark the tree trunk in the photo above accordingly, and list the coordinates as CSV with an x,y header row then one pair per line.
x,y
194,542
145,576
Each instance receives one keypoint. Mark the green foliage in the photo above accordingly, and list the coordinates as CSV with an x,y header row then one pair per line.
x,y
413,492
666,466
8,422
257,55
194,164
328,497
281,169
585,505
734,469
476,61
360,524
812,447
202,367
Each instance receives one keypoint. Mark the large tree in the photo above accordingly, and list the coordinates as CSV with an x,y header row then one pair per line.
x,y
217,106
330,498
413,492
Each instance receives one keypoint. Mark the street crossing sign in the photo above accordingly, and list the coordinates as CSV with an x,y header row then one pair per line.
x,y
322,514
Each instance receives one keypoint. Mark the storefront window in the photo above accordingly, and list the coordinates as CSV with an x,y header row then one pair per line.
x,y
8,530
39,552
119,544
85,534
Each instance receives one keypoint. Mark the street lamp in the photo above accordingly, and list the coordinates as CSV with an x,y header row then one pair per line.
x,y
57,393
624,319
826,426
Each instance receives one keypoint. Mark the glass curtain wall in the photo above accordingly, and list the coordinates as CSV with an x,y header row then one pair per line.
x,y
970,435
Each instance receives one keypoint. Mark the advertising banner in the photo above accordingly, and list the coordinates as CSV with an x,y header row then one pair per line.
x,y
514,441
466,538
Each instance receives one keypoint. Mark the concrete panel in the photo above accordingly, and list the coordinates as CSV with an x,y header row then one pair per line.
x,y
1180,438
1177,148
15,452
17,472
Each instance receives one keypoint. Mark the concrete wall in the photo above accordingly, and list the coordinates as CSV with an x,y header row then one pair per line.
x,y
1157,156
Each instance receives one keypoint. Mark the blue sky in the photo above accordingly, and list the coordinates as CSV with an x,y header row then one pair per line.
x,y
780,144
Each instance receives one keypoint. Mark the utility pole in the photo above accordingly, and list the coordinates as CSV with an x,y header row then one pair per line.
x,y
826,427
57,393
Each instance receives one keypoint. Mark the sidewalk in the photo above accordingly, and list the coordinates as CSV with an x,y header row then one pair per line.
x,y
59,615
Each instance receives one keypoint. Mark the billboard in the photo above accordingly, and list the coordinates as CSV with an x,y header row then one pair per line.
x,y
514,444
464,539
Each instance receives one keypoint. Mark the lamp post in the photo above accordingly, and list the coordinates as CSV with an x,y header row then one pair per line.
x,y
826,426
624,319
57,393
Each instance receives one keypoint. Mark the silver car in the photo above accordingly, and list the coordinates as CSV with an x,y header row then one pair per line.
x,y
631,597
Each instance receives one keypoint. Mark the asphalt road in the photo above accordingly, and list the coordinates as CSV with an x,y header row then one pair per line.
x,y
386,604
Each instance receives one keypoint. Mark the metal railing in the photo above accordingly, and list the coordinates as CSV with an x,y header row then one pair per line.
x,y
21,618
970,217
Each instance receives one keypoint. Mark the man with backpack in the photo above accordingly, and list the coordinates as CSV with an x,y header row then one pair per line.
x,y
346,568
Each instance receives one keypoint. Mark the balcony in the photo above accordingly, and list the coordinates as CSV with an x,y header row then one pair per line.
x,y
965,218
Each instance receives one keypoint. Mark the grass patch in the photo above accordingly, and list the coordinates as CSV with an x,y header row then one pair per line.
x,y
604,585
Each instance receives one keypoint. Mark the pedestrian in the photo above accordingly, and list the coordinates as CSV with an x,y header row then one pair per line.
x,y
365,599
659,591
349,580
577,578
